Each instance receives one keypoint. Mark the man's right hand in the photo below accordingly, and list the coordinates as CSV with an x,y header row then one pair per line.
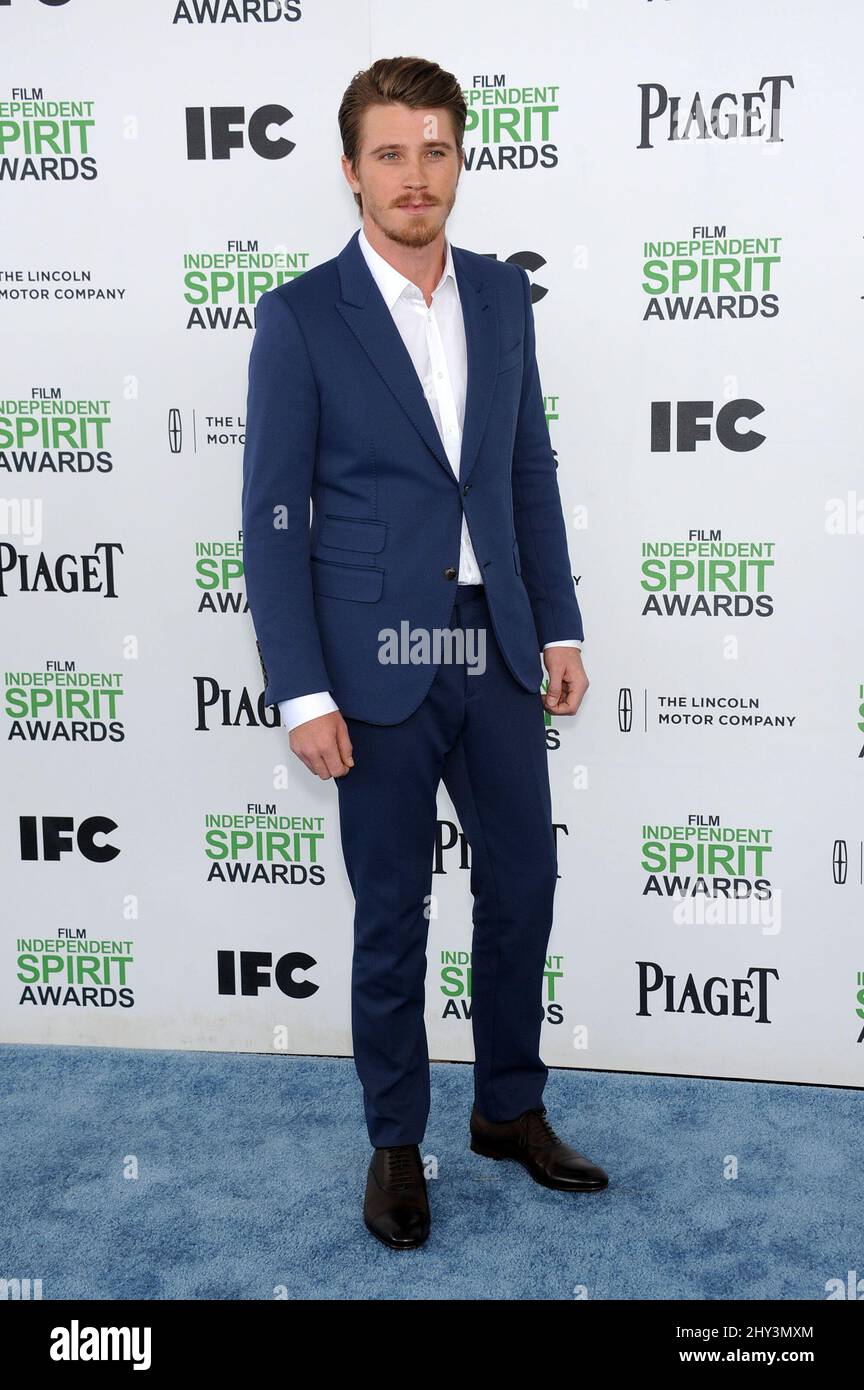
x,y
324,745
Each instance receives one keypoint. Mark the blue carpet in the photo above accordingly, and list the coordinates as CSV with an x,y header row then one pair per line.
x,y
251,1172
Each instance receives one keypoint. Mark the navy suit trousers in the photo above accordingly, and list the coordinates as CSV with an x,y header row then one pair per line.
x,y
484,735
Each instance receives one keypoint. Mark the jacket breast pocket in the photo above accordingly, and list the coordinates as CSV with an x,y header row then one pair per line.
x,y
352,533
360,583
512,357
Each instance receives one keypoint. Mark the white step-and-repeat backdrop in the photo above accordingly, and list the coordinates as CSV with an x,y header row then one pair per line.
x,y
683,186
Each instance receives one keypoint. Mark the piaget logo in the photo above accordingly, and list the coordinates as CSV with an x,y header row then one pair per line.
x,y
511,126
218,568
221,288
455,986
744,996
707,576
711,276
47,433
45,139
73,970
260,845
727,116
25,571
63,704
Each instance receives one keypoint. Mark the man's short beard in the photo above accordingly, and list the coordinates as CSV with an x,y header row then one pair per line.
x,y
423,232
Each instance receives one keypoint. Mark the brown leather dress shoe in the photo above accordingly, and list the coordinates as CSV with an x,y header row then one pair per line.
x,y
396,1206
531,1141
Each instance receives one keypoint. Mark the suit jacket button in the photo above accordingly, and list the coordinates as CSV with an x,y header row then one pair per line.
x,y
450,572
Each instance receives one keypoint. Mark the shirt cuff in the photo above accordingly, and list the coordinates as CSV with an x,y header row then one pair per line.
x,y
304,707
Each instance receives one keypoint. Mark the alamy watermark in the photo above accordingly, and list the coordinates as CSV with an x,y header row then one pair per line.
x,y
421,646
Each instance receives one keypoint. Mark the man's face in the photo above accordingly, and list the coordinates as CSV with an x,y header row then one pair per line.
x,y
406,157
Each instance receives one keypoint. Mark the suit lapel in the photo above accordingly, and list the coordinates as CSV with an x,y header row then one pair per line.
x,y
363,309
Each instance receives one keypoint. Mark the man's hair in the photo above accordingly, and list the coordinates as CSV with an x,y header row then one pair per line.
x,y
414,82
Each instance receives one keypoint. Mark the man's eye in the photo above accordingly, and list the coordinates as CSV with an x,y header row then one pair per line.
x,y
388,153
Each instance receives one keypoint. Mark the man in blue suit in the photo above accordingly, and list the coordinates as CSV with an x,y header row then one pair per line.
x,y
396,385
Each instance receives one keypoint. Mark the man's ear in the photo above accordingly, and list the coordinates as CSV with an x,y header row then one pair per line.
x,y
348,172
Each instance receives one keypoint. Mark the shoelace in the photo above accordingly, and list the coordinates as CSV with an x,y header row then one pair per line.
x,y
401,1167
539,1130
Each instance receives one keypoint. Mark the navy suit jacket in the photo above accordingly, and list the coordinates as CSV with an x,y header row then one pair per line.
x,y
336,412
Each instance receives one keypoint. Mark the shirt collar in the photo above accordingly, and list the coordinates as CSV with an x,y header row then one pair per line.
x,y
392,282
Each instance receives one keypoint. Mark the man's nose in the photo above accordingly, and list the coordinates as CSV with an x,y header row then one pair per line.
x,y
415,175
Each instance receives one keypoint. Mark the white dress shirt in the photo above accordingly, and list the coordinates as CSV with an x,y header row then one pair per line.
x,y
435,338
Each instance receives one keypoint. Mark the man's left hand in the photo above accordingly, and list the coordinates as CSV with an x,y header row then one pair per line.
x,y
567,680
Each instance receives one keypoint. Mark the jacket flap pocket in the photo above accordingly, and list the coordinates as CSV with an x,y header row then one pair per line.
x,y
512,357
346,581
352,533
